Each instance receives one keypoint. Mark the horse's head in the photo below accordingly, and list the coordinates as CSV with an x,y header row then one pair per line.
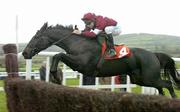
x,y
39,42
56,35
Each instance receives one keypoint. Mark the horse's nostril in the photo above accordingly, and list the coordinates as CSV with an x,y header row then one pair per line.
x,y
24,54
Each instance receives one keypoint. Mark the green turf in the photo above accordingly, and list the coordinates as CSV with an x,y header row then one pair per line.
x,y
3,105
1,83
137,90
72,82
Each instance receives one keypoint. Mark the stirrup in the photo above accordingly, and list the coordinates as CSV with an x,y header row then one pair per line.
x,y
111,53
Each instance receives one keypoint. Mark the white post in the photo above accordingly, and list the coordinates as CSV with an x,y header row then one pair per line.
x,y
80,80
112,83
128,84
28,69
47,68
143,90
17,44
64,74
97,82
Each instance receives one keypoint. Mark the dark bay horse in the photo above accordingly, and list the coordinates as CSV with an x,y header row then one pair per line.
x,y
82,55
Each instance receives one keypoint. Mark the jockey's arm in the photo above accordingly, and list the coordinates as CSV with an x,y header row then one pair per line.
x,y
92,33
86,29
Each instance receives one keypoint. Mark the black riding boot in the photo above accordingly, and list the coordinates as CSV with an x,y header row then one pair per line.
x,y
112,51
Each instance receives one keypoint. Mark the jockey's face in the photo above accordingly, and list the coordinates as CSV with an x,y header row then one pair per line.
x,y
90,24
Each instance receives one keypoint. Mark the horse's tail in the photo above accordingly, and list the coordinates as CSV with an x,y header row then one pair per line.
x,y
168,64
171,69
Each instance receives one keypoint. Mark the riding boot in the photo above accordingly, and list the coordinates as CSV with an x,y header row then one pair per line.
x,y
112,51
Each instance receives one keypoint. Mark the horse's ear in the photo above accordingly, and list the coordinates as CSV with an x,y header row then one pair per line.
x,y
44,26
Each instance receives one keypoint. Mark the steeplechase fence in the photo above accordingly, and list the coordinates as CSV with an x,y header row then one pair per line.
x,y
38,96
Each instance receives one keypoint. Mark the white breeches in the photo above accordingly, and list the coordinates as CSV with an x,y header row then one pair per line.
x,y
114,30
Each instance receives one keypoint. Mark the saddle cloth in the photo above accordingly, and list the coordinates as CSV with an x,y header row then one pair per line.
x,y
121,51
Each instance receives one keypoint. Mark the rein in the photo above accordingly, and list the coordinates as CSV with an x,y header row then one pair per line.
x,y
62,39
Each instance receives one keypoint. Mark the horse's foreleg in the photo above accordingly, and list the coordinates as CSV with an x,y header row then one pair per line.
x,y
69,60
160,90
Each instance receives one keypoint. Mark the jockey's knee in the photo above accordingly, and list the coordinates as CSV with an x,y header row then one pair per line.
x,y
114,30
109,30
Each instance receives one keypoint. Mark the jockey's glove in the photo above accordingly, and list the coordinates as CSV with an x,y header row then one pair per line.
x,y
77,32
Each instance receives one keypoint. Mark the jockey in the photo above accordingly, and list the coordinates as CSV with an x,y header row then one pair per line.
x,y
94,24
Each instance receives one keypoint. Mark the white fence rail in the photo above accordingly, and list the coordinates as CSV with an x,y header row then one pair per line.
x,y
69,73
128,86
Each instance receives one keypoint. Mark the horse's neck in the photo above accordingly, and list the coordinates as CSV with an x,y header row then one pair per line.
x,y
77,44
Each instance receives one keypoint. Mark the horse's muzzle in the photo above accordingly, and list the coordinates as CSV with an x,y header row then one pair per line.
x,y
26,55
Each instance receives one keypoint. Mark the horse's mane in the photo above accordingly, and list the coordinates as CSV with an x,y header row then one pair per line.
x,y
61,27
65,28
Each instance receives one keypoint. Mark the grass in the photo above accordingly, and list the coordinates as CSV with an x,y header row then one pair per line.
x,y
3,105
137,90
1,83
72,82
166,92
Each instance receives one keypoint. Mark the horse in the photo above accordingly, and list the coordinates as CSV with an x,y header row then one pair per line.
x,y
168,66
83,55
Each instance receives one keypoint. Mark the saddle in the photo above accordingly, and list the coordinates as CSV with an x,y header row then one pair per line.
x,y
121,50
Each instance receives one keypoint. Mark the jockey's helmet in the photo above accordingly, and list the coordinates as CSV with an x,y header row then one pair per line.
x,y
89,16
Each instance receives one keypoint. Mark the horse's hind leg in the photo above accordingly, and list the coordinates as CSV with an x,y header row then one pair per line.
x,y
170,88
168,85
161,92
157,82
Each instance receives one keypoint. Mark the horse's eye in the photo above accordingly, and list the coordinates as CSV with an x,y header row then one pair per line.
x,y
35,49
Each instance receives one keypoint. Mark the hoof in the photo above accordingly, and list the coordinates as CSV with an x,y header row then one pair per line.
x,y
53,71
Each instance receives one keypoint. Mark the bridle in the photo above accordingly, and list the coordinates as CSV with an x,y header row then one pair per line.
x,y
75,27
